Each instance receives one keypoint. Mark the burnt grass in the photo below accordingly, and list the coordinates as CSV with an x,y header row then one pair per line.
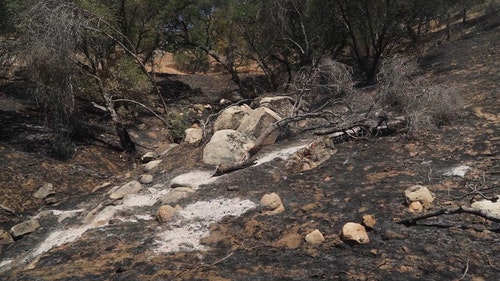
x,y
364,177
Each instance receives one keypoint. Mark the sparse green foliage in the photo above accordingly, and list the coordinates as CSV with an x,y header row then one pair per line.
x,y
178,123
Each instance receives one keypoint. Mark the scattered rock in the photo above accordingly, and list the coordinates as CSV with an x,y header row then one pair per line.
x,y
419,193
166,213
23,228
233,188
231,117
459,171
146,178
148,157
415,207
129,188
271,204
176,195
227,147
193,135
315,237
5,237
487,207
44,191
355,232
257,122
282,105
369,221
192,179
152,165
311,156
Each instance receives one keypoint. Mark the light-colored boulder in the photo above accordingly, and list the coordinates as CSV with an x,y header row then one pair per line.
x,y
355,232
226,147
282,105
176,195
315,237
231,117
271,204
23,228
193,135
44,191
258,121
419,193
152,165
128,188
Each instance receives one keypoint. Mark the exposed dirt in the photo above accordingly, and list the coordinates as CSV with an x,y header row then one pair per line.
x,y
363,177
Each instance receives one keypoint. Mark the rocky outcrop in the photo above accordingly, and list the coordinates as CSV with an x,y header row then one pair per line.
x,y
226,147
282,105
128,188
256,123
231,117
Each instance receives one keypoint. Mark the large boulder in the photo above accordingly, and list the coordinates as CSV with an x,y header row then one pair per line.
x,y
282,105
258,121
231,117
227,147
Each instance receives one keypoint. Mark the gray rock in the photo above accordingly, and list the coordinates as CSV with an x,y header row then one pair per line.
x,y
227,147
44,191
146,178
193,135
282,105
176,195
148,157
23,228
152,165
5,237
257,122
129,188
231,117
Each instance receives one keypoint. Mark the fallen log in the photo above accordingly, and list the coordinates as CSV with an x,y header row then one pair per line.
x,y
448,211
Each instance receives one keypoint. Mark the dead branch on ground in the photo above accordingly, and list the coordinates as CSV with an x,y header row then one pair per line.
x,y
448,211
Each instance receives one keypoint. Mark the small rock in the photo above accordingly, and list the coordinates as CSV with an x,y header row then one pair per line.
x,y
152,165
128,188
176,195
148,157
44,191
5,237
166,213
315,237
233,188
459,171
419,193
369,221
51,200
146,178
271,204
415,207
23,228
193,135
352,231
